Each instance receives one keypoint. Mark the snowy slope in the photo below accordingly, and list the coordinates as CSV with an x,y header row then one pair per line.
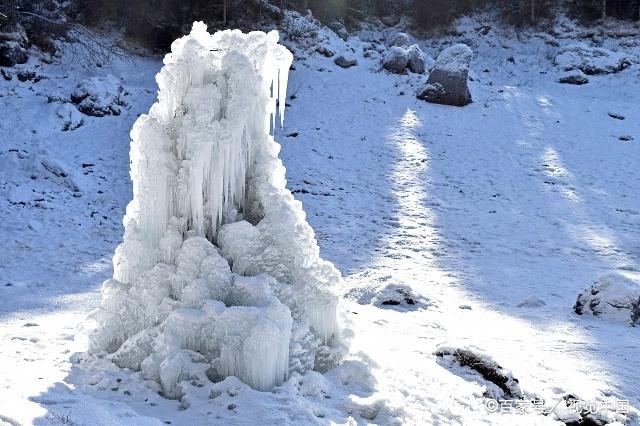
x,y
495,216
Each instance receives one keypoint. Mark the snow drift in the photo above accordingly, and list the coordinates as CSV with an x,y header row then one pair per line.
x,y
219,273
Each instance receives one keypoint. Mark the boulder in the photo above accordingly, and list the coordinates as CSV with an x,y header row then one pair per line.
x,y
343,62
70,117
613,297
447,83
11,53
574,77
416,62
400,40
391,20
395,60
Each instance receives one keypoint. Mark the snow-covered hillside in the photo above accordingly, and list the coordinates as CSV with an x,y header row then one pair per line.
x,y
461,233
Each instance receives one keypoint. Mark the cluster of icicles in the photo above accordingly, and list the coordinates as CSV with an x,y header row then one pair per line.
x,y
219,273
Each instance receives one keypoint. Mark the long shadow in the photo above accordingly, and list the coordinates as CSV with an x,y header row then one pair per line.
x,y
528,227
339,169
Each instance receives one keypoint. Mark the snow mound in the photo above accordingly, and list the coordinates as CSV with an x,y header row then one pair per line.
x,y
399,297
591,60
613,297
99,96
69,116
219,273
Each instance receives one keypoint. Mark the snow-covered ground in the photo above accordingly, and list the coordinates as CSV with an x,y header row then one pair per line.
x,y
492,217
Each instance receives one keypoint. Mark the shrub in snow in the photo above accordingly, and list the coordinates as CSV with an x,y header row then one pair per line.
x,y
296,26
447,83
395,60
591,60
219,273
99,96
613,297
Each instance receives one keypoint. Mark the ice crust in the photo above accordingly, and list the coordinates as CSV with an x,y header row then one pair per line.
x,y
219,273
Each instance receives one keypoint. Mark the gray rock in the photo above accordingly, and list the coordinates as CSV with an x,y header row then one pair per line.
x,y
447,83
416,59
432,93
343,62
395,60
574,77
11,53
391,20
400,40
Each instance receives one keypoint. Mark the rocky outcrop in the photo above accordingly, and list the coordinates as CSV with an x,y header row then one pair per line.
x,y
11,53
591,60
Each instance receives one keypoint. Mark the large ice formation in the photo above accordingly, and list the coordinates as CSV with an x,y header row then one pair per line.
x,y
219,273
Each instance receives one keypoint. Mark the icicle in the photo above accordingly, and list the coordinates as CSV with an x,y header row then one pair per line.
x,y
192,157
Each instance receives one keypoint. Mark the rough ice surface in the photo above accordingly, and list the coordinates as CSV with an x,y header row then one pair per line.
x,y
219,273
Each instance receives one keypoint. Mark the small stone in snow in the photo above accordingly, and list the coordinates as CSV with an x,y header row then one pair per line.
x,y
616,116
231,407
532,302
31,324
343,62
467,307
577,78
625,138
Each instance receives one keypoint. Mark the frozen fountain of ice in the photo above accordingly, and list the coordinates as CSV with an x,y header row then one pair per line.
x,y
219,273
